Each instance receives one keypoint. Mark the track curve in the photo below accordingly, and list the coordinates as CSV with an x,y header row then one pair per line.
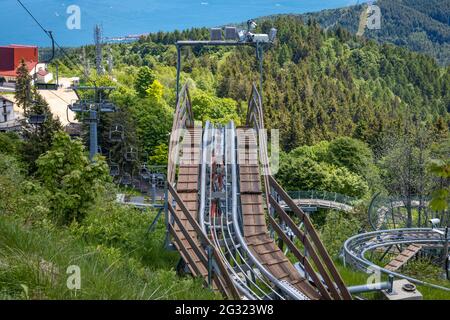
x,y
356,248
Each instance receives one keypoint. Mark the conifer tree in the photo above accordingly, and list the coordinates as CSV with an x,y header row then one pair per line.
x,y
38,137
23,88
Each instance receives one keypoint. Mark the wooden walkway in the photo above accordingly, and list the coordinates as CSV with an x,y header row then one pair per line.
x,y
403,258
187,188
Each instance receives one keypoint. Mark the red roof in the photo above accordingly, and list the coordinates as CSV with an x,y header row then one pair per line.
x,y
13,73
20,46
42,72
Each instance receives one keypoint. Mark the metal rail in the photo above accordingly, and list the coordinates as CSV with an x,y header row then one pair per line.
x,y
250,285
356,248
285,289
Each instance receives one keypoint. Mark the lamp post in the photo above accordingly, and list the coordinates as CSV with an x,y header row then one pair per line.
x,y
233,37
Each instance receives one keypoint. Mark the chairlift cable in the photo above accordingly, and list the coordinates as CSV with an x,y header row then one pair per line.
x,y
48,33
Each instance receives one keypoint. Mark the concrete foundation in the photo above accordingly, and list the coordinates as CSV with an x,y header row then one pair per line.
x,y
403,290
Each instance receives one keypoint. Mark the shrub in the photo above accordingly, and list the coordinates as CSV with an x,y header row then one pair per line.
x,y
72,180
337,229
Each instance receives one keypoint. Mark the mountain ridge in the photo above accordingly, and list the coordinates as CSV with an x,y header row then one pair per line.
x,y
421,26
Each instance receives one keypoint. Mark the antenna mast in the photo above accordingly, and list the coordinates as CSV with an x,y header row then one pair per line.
x,y
98,49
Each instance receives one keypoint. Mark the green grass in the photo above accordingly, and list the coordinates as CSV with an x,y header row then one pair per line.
x,y
117,257
353,278
33,265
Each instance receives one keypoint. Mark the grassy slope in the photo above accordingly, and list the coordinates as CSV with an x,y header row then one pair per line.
x,y
33,265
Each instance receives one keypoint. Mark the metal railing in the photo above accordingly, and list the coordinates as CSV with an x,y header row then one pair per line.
x,y
357,247
321,261
183,119
387,212
247,280
323,195
335,287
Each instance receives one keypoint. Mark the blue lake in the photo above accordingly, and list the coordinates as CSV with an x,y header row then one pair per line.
x,y
120,17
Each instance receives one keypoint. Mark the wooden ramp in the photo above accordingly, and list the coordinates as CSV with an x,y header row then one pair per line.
x,y
188,237
187,189
406,255
254,224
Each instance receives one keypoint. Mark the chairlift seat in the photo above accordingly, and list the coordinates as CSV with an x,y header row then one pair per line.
x,y
126,179
116,133
144,173
114,170
37,118
160,181
131,155
106,106
79,106
46,86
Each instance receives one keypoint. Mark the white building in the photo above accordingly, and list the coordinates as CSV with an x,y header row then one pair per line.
x,y
9,118
42,74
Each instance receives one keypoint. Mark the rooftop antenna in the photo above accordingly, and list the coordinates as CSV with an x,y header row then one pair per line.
x,y
110,61
98,49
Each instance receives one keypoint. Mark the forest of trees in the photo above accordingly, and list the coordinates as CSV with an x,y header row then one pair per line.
x,y
422,26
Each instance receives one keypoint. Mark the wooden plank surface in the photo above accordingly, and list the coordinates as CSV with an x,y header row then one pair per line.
x,y
254,222
403,257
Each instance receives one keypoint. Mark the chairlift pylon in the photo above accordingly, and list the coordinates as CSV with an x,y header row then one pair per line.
x,y
114,168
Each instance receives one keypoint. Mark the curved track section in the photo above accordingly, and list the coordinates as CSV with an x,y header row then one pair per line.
x,y
321,199
320,203
389,213
358,247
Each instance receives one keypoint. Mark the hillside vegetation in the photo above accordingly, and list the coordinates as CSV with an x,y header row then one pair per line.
x,y
422,26
43,232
